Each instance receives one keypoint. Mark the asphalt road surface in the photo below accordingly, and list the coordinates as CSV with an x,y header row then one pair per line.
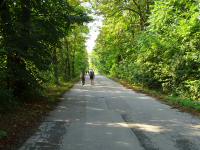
x,y
108,116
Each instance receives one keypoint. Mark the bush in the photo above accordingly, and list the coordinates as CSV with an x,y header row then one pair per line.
x,y
191,89
7,100
3,134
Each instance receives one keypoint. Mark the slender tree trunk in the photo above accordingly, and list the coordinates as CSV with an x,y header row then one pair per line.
x,y
8,37
7,30
73,56
55,67
142,23
148,3
68,66
22,76
148,7
16,67
73,63
26,24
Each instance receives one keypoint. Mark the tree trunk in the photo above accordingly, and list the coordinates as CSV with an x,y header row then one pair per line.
x,y
8,37
26,24
73,57
16,67
73,63
22,77
55,67
7,31
68,66
148,3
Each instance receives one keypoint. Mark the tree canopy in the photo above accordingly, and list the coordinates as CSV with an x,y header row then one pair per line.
x,y
152,43
41,43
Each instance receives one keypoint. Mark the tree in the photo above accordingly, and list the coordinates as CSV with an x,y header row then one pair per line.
x,y
30,38
163,53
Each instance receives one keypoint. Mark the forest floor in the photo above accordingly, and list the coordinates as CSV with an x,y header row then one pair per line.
x,y
22,122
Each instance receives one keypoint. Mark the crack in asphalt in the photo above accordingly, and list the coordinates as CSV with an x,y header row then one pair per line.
x,y
180,142
145,141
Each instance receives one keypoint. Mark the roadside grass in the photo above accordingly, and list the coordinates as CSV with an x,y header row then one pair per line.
x,y
54,92
183,104
16,126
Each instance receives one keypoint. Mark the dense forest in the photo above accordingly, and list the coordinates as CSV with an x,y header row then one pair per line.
x,y
151,43
41,43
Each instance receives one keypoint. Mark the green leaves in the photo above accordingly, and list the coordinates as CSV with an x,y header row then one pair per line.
x,y
3,134
165,56
31,34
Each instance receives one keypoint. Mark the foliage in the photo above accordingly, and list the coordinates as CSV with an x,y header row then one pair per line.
x,y
164,55
3,134
33,49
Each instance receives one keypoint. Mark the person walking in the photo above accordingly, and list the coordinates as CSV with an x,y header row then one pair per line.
x,y
83,78
91,74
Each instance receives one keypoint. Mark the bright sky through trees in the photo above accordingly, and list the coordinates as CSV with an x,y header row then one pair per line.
x,y
94,28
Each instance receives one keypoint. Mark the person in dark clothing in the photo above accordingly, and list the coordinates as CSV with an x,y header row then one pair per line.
x,y
83,78
91,74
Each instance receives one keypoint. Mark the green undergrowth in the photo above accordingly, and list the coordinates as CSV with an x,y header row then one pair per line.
x,y
17,125
183,104
3,134
54,92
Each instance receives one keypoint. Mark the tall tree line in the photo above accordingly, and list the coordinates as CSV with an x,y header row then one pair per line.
x,y
41,42
151,43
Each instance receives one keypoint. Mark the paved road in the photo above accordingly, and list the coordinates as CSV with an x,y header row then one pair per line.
x,y
107,116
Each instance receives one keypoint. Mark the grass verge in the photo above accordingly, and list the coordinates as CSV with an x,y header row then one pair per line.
x,y
185,105
17,126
